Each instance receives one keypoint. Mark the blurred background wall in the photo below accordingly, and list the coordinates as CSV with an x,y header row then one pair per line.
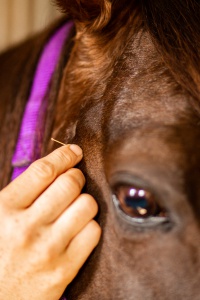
x,y
21,18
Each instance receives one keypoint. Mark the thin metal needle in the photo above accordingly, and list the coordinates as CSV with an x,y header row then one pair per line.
x,y
58,142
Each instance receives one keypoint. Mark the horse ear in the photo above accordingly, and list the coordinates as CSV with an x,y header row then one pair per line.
x,y
87,12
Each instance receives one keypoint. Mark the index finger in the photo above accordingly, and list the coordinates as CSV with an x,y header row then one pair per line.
x,y
29,185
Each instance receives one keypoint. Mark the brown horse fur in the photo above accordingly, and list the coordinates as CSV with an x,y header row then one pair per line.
x,y
129,96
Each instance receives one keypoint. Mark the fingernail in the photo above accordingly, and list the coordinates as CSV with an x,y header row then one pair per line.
x,y
76,149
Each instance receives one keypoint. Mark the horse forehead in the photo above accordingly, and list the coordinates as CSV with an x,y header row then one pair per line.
x,y
142,90
135,107
148,96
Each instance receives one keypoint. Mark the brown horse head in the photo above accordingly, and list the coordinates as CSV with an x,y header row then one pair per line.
x,y
130,98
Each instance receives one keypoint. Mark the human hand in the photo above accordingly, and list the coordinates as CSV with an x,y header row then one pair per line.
x,y
46,228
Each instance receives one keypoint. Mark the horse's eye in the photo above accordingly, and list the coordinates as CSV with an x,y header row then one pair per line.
x,y
138,203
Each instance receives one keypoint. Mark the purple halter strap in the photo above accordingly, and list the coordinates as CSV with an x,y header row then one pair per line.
x,y
27,149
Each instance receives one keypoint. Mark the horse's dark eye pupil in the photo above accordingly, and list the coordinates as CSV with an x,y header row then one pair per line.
x,y
137,203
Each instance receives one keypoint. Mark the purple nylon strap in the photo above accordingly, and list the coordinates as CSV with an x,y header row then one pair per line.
x,y
27,149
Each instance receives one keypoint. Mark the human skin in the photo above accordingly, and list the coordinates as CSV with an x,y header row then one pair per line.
x,y
47,229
